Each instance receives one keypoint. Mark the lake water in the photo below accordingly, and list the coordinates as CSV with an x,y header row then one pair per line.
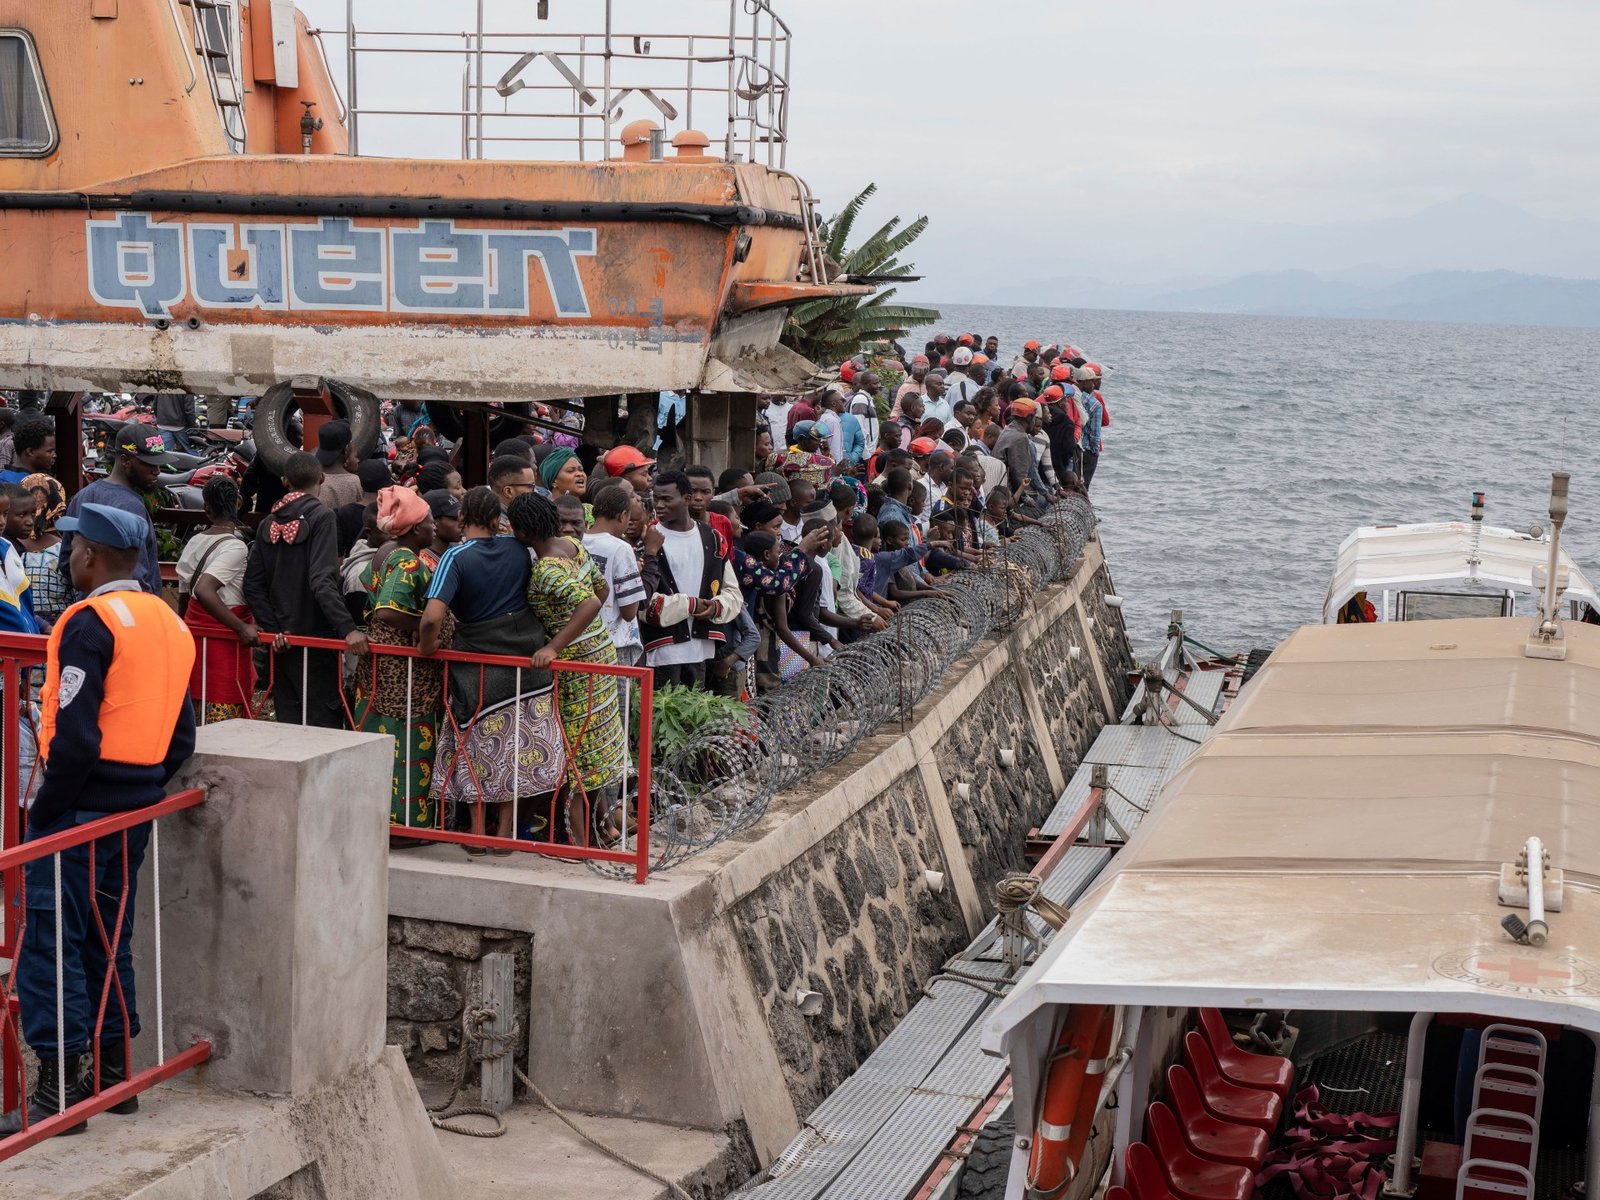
x,y
1242,450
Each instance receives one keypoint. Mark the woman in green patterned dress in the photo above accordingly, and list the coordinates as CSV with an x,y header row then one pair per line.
x,y
401,696
562,595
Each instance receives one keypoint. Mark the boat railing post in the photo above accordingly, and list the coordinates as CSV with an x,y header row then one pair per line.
x,y
733,71
1133,1081
350,75
1401,1182
477,95
605,111
1591,1161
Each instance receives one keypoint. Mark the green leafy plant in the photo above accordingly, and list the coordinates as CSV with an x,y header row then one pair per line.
x,y
829,331
678,714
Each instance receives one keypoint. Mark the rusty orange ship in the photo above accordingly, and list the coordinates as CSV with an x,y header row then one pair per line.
x,y
184,207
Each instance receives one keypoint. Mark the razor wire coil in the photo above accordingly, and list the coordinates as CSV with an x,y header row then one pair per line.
x,y
723,779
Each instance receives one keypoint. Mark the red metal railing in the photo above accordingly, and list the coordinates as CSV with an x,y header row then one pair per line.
x,y
631,844
17,653
12,1066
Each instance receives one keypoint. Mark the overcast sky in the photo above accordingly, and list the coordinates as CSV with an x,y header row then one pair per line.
x,y
1125,136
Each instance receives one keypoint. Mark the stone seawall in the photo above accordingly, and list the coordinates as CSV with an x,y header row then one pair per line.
x,y
852,920
686,999
852,917
434,973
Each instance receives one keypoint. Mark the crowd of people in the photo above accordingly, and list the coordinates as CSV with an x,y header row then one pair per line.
x,y
859,499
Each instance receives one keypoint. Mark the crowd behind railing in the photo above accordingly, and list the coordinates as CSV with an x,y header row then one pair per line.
x,y
747,626
618,669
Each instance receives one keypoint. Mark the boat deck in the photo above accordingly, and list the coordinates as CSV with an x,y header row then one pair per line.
x,y
1366,1074
883,1132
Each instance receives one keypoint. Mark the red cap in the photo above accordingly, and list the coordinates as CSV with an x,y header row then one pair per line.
x,y
1060,371
940,338
918,358
1092,368
1030,345
847,370
923,445
964,340
1052,393
619,460
980,358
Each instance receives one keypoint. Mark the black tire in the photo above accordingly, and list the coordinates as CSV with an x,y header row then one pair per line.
x,y
277,406
983,1175
446,419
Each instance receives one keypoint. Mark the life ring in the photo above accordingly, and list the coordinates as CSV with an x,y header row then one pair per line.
x,y
1071,1100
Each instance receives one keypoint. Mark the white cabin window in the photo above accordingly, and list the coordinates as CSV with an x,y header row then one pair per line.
x,y
27,127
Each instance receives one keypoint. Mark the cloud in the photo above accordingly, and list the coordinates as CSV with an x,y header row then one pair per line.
x,y
1126,133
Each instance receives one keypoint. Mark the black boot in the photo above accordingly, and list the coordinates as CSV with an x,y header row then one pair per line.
x,y
46,1094
114,1070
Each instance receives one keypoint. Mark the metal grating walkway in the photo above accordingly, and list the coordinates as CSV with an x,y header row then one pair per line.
x,y
881,1131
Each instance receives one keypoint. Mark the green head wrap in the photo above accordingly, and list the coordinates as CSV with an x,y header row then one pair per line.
x,y
552,464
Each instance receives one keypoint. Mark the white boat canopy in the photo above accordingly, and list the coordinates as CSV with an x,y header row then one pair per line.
x,y
1449,556
1337,842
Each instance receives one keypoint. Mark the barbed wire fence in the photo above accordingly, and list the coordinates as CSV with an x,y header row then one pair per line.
x,y
722,779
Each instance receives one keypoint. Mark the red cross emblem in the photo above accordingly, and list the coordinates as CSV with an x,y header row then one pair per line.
x,y
1525,971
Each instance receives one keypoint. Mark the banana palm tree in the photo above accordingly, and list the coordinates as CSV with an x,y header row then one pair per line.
x,y
829,331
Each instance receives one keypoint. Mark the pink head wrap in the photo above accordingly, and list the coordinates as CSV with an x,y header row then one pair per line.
x,y
400,510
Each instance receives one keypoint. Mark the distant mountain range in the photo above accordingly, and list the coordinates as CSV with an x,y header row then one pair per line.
x,y
1471,259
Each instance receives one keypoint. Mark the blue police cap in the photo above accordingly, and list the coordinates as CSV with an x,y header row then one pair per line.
x,y
108,526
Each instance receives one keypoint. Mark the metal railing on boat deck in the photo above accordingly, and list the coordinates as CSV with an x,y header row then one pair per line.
x,y
553,93
95,855
454,755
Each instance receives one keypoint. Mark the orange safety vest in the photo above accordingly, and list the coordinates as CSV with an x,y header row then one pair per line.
x,y
148,682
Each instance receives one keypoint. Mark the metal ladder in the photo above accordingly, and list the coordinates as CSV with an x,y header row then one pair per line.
x,y
230,108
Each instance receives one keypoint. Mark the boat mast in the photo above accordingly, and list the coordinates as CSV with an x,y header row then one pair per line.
x,y
1546,639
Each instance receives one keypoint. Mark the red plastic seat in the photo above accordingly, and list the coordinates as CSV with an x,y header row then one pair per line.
x,y
1193,1177
1145,1179
1229,1101
1208,1136
1240,1066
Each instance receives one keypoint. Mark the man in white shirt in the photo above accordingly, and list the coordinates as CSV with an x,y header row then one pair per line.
x,y
864,406
959,386
615,505
776,415
697,590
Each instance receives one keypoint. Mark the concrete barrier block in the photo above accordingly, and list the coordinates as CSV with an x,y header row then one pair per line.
x,y
274,902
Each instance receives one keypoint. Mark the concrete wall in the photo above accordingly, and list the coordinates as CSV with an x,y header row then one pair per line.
x,y
674,1001
272,900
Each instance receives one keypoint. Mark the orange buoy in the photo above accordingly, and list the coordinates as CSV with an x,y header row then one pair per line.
x,y
1071,1098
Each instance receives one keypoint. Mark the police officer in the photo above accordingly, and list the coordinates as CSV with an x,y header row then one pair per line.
x,y
114,727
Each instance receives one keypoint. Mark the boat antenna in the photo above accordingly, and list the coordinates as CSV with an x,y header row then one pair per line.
x,y
1474,559
1546,639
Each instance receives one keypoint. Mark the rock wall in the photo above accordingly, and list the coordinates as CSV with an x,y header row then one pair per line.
x,y
1110,635
853,921
1063,675
434,971
1003,802
841,921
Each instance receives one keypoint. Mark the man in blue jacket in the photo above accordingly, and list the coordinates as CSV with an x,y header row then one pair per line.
x,y
114,726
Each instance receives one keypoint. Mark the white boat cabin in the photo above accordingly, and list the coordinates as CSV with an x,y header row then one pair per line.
x,y
1353,866
1448,569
